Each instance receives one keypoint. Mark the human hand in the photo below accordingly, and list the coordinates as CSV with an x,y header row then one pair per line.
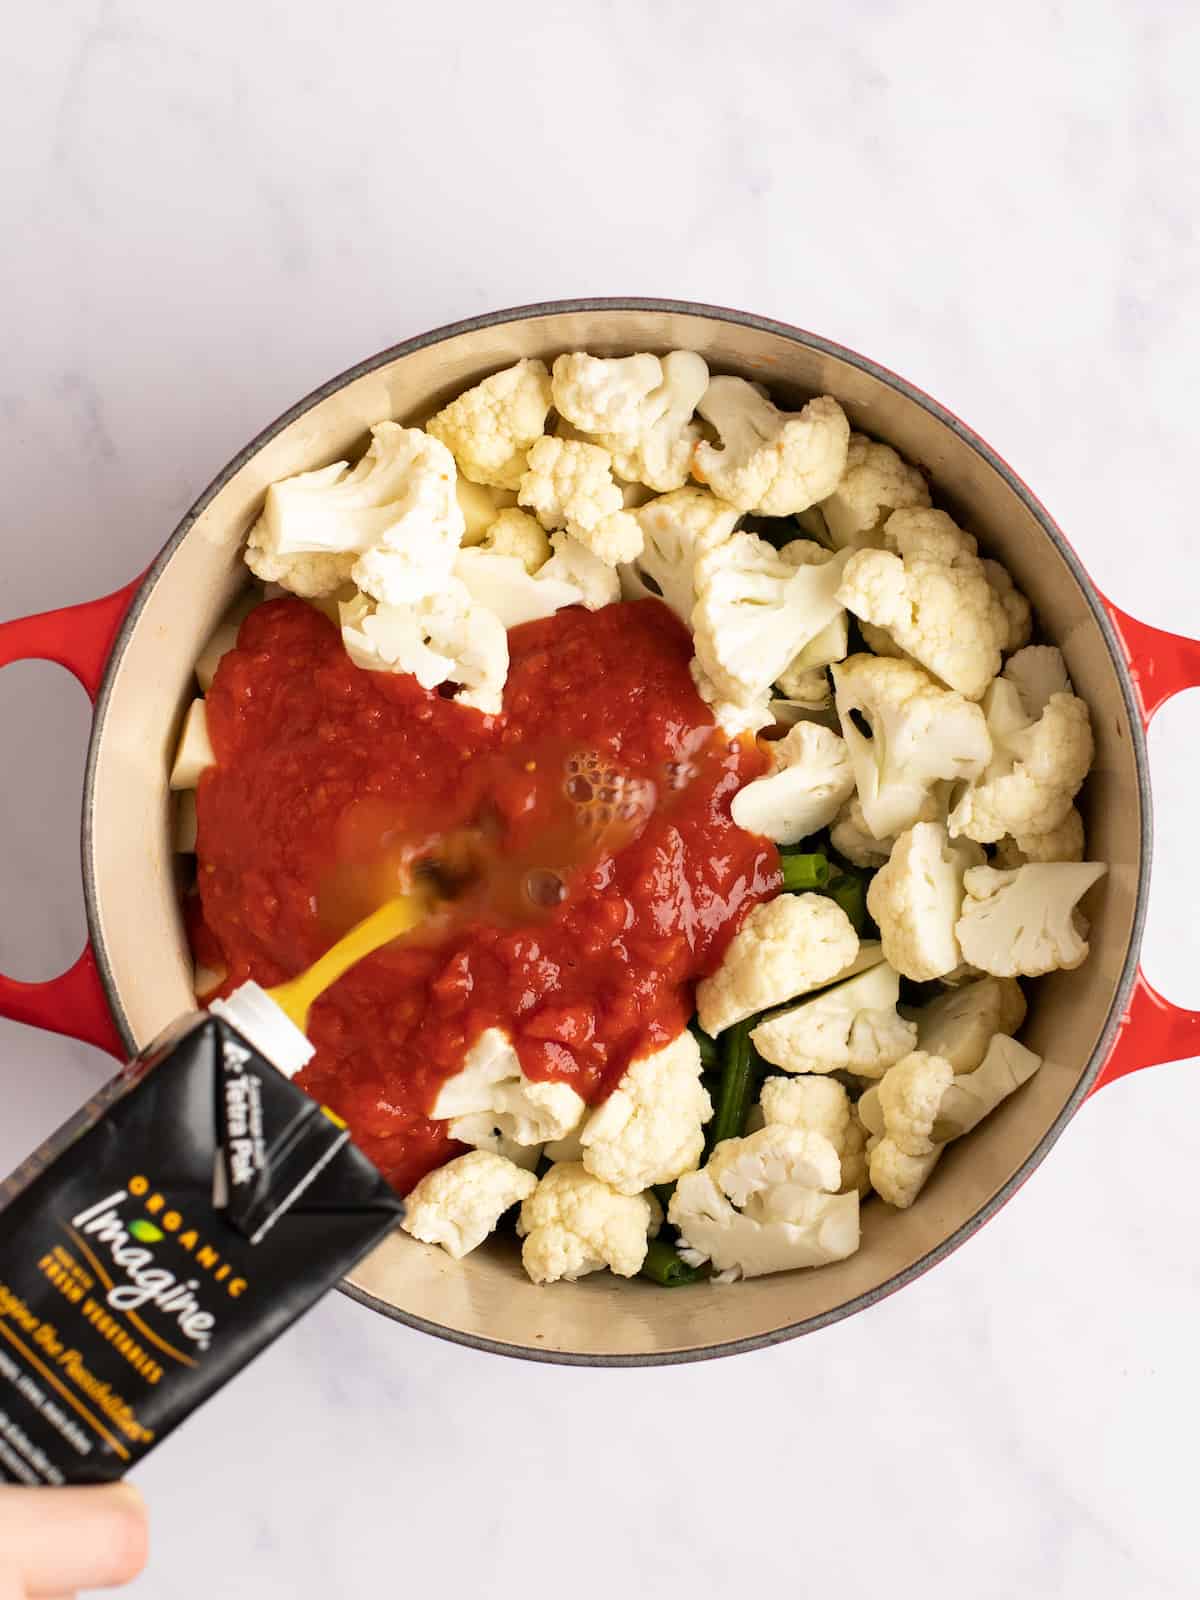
x,y
55,1541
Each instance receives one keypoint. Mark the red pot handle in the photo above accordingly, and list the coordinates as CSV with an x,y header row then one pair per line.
x,y
1153,1030
80,639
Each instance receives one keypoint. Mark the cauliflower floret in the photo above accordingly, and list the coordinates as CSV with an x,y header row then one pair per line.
x,y
917,735
194,754
657,449
784,1179
570,485
809,780
730,716
916,899
480,507
483,1131
640,408
516,533
396,513
896,1177
853,1027
961,1024
677,529
1039,673
1024,923
650,1129
502,585
934,598
784,948
445,638
803,697
756,611
310,576
598,395
573,1224
490,427
1006,1066
876,482
1017,609
825,647
492,1082
1064,843
1037,767
574,563
770,461
820,1105
909,1098
851,837
458,1205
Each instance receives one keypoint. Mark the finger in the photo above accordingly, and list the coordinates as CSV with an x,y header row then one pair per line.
x,y
58,1540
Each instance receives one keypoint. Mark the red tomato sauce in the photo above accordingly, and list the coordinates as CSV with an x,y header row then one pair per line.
x,y
583,838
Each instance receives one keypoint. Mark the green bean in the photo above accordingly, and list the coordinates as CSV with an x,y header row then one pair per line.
x,y
804,873
849,890
737,1084
708,1046
664,1267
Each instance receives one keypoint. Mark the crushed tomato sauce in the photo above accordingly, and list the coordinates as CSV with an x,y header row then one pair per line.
x,y
584,836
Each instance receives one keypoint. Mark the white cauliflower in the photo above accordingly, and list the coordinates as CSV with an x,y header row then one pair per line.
x,y
573,563
755,611
961,1024
930,591
657,449
1064,843
1006,1066
501,584
852,1027
1039,673
458,1205
1037,766
807,698
770,461
731,716
820,1105
480,507
574,1224
851,837
782,1179
909,1099
876,482
809,780
311,577
650,1129
896,1177
483,1131
570,485
492,1082
194,753
490,427
677,529
784,948
916,899
1017,609
825,647
1024,923
444,638
516,533
641,409
599,395
916,735
396,514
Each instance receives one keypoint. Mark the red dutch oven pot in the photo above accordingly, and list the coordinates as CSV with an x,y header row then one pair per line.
x,y
133,651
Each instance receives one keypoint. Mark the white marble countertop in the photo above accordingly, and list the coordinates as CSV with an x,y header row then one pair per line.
x,y
208,210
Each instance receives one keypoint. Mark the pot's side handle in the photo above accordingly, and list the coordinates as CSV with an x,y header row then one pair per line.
x,y
80,639
1153,1030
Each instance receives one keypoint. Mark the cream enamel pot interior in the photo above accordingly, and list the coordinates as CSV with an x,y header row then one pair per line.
x,y
134,651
